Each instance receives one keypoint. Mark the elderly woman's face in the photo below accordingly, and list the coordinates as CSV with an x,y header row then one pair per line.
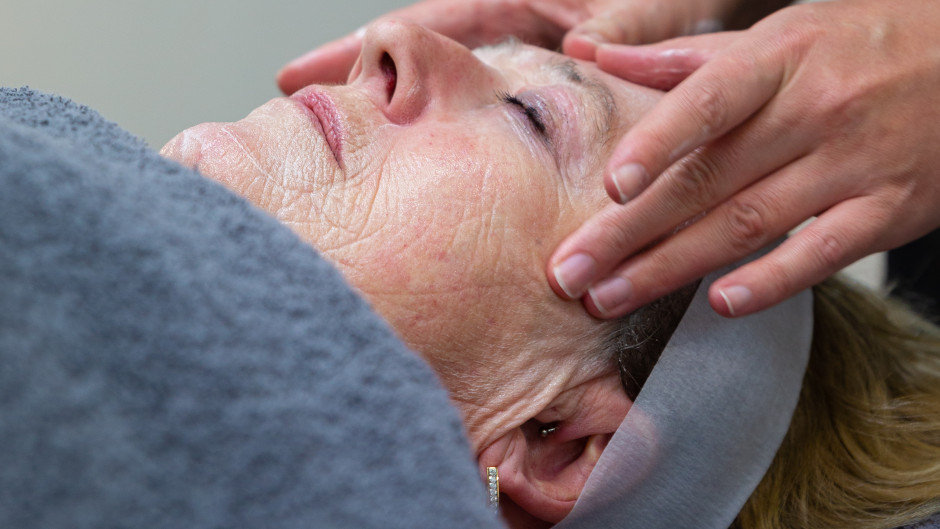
x,y
439,180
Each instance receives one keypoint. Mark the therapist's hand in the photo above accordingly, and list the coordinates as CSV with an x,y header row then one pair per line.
x,y
540,22
829,110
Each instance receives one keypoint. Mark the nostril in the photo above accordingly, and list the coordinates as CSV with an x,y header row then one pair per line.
x,y
387,65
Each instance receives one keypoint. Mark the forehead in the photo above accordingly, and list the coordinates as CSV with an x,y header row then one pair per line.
x,y
513,57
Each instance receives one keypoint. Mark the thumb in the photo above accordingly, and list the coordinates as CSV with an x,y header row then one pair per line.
x,y
663,65
329,63
582,41
636,22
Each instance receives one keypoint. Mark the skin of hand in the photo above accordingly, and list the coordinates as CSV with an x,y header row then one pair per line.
x,y
825,110
540,22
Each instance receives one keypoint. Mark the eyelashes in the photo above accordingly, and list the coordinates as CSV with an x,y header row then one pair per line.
x,y
531,113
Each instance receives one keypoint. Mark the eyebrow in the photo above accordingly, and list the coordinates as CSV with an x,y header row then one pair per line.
x,y
598,95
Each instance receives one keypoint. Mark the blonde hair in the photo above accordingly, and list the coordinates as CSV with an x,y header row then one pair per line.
x,y
863,449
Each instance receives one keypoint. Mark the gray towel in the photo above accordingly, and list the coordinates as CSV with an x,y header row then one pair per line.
x,y
172,357
933,522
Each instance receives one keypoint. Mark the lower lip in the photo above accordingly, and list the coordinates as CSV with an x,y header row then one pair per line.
x,y
324,116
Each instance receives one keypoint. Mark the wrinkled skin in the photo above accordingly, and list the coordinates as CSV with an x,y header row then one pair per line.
x,y
442,210
822,109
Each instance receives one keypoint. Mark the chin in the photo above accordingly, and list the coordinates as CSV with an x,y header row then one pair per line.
x,y
185,147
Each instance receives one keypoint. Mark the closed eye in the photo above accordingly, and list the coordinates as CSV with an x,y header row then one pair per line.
x,y
531,113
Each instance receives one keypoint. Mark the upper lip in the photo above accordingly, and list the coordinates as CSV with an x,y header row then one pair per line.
x,y
328,119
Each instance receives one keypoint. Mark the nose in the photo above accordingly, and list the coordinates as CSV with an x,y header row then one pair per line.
x,y
409,71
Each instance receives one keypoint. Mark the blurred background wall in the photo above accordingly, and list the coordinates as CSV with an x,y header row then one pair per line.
x,y
157,67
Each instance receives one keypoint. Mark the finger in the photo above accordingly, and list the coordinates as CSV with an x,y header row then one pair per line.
x,y
831,242
737,228
635,23
459,20
581,41
622,26
329,63
697,183
665,65
581,46
332,62
716,98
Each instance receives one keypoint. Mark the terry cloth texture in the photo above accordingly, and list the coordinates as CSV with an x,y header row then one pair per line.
x,y
172,357
930,523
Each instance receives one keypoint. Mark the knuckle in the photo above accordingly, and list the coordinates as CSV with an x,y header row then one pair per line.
x,y
617,231
695,180
782,281
709,104
747,225
828,250
796,26
841,101
624,29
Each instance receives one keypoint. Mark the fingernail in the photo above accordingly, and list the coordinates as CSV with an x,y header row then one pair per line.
x,y
610,294
629,180
592,37
737,298
575,273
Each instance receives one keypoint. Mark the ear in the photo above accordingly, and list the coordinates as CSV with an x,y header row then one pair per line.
x,y
544,475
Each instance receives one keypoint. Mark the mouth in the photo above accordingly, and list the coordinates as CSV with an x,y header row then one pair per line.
x,y
326,118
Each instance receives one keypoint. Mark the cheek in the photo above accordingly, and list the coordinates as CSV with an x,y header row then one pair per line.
x,y
480,209
272,158
450,228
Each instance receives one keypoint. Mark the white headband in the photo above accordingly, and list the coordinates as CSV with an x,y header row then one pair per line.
x,y
706,425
